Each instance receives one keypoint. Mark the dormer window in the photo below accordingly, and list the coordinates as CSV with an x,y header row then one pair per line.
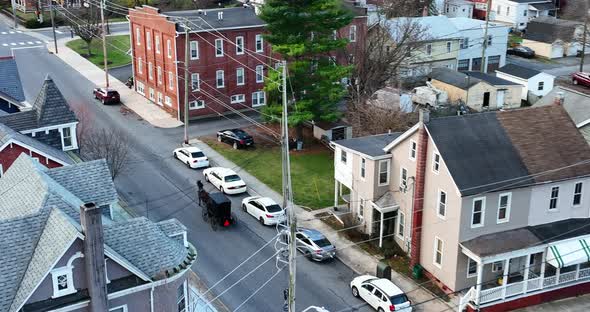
x,y
66,139
63,283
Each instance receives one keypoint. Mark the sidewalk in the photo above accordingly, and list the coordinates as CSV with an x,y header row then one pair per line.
x,y
351,255
132,100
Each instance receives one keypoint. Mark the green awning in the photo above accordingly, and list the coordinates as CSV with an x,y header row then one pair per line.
x,y
569,253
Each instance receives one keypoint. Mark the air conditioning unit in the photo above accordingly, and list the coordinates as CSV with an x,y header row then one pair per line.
x,y
403,188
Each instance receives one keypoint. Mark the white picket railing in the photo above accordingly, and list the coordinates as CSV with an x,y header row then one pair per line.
x,y
514,289
533,284
469,296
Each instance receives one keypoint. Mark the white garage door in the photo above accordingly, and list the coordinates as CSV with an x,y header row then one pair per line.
x,y
556,50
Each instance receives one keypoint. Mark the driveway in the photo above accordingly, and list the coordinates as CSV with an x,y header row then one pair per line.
x,y
122,73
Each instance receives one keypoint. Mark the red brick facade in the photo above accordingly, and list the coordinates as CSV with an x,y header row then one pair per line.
x,y
419,196
11,152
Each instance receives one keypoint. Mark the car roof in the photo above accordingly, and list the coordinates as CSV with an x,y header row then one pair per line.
x,y
224,171
266,201
192,149
387,286
311,233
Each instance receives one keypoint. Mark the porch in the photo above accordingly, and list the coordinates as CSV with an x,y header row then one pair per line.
x,y
539,266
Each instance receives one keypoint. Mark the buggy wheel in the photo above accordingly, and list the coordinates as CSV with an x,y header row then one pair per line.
x,y
214,224
244,207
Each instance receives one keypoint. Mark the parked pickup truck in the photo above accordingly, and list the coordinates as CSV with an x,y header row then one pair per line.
x,y
106,96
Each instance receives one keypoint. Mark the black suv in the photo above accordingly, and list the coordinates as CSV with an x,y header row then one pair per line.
x,y
237,138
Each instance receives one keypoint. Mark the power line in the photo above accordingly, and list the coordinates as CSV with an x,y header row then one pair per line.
x,y
258,289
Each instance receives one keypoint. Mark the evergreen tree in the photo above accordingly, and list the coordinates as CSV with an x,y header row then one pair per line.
x,y
302,33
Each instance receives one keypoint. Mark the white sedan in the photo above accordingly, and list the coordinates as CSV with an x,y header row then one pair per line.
x,y
192,157
224,179
380,293
264,210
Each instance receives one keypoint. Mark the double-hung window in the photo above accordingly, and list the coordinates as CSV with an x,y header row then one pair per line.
x,y
219,79
259,73
194,50
239,45
553,198
240,79
449,46
238,98
465,43
169,48
403,178
438,251
218,47
436,162
384,172
478,212
441,209
195,81
401,224
150,71
181,297
504,202
259,43
343,156
148,40
578,193
471,268
429,49
541,86
363,168
170,80
197,104
159,73
352,33
258,98
413,148
137,35
139,65
66,134
157,41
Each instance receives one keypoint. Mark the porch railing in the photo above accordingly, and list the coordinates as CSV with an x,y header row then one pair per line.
x,y
534,284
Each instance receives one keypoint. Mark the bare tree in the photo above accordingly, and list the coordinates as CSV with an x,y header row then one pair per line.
x,y
389,45
110,144
370,119
579,11
87,28
84,127
408,8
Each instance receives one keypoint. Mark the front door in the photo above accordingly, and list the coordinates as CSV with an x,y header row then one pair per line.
x,y
500,99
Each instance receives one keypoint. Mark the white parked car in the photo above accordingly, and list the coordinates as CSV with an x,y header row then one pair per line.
x,y
192,157
380,293
224,179
264,210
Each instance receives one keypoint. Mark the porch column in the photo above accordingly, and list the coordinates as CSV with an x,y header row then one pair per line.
x,y
381,231
557,271
478,283
505,277
526,273
577,271
543,259
336,193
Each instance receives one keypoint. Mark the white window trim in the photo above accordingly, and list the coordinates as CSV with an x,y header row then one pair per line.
x,y
261,39
222,79
1,170
449,46
442,252
557,201
69,275
412,142
238,101
168,101
170,80
159,74
198,88
258,98
507,219
472,274
379,172
261,74
160,98
434,162
352,33
197,106
124,307
169,48
72,139
343,152
139,65
150,71
152,94
138,36
361,209
240,45
483,212
498,267
217,50
243,76
399,220
157,44
401,177
581,194
438,204
362,167
196,49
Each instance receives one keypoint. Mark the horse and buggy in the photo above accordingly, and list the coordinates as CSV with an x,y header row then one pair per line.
x,y
215,208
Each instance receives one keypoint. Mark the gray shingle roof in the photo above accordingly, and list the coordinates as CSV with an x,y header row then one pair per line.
x,y
144,244
171,226
370,145
20,121
90,181
543,6
201,20
518,71
7,134
493,80
466,80
10,84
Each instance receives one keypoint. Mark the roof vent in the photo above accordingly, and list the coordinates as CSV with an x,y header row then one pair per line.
x,y
220,15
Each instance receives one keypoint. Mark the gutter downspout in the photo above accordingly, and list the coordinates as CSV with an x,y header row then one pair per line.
x,y
152,298
177,74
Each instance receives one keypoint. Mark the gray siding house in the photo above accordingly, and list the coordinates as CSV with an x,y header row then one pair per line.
x,y
60,254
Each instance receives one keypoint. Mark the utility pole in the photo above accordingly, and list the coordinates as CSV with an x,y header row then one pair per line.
x,y
584,40
104,42
287,195
485,38
13,2
51,13
186,62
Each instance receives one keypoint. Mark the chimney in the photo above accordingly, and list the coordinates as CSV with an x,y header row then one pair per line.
x,y
91,221
418,200
425,11
559,98
220,15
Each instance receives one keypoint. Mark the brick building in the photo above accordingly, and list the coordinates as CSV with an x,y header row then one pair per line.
x,y
227,62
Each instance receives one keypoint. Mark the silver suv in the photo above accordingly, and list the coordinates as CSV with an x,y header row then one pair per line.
x,y
314,245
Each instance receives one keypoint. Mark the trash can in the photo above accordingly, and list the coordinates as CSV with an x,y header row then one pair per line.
x,y
383,270
417,271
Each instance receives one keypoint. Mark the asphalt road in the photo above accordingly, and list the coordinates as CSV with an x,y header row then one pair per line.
x,y
159,187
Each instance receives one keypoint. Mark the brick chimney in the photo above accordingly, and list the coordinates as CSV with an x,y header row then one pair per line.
x,y
419,188
559,98
91,221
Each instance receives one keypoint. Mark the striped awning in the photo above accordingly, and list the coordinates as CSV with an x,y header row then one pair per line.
x,y
569,253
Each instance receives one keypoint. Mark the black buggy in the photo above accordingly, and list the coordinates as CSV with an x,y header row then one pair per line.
x,y
216,209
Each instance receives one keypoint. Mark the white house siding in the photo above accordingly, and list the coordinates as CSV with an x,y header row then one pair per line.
x,y
531,84
343,171
458,8
540,213
515,15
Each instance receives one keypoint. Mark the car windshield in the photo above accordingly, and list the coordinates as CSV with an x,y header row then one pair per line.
x,y
273,208
197,154
112,93
322,242
398,299
232,178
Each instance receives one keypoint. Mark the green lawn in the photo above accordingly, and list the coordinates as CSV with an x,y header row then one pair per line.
x,y
312,173
117,46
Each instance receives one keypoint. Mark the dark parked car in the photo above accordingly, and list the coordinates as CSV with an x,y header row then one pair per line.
x,y
581,79
237,138
107,96
522,51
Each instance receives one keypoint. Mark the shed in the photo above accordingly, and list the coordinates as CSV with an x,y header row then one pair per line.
x,y
536,84
332,131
